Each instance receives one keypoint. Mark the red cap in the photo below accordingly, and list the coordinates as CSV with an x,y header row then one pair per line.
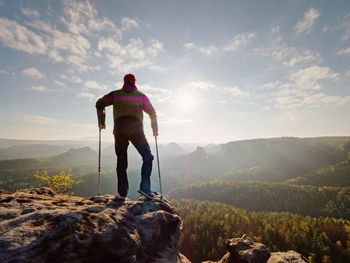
x,y
129,78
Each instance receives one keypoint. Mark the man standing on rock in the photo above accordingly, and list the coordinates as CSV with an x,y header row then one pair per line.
x,y
128,107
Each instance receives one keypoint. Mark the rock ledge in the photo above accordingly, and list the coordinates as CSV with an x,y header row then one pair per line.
x,y
40,225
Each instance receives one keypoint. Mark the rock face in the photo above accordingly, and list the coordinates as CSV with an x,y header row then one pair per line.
x,y
244,250
39,225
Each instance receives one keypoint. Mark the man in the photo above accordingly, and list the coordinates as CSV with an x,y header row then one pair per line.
x,y
128,106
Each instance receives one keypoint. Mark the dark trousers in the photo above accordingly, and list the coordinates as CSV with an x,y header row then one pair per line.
x,y
139,140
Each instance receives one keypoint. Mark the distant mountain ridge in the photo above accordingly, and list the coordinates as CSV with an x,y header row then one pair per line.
x,y
31,151
12,142
72,157
83,155
171,149
274,160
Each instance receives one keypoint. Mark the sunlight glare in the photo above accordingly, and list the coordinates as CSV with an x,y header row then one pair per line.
x,y
186,101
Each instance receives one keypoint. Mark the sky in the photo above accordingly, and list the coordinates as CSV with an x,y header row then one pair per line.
x,y
215,71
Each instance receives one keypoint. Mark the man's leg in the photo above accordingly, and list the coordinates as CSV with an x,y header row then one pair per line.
x,y
140,142
121,147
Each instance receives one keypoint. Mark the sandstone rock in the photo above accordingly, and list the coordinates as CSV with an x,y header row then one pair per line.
x,y
287,257
244,250
39,225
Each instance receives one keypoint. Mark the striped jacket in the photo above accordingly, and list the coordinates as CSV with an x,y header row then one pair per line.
x,y
128,102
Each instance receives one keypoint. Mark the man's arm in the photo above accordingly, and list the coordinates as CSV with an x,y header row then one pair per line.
x,y
101,103
148,108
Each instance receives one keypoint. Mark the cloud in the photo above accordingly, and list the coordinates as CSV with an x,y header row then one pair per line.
x,y
133,55
69,44
171,120
76,13
128,24
288,56
234,91
345,51
63,44
102,24
60,83
156,48
208,50
111,45
71,39
305,24
210,87
70,48
310,78
28,12
81,17
33,73
74,79
288,98
16,36
39,88
91,84
86,95
201,85
322,99
154,90
270,85
41,119
304,90
4,72
239,41
154,93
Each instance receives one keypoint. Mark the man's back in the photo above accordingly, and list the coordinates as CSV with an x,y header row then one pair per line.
x,y
128,107
128,102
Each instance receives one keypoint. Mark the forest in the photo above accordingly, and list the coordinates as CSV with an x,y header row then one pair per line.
x,y
279,197
207,225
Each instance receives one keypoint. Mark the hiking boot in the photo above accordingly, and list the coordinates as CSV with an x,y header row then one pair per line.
x,y
123,198
148,194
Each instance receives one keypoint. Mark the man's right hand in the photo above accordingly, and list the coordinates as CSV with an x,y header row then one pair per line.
x,y
101,118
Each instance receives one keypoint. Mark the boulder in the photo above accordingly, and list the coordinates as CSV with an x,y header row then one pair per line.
x,y
287,257
40,225
244,250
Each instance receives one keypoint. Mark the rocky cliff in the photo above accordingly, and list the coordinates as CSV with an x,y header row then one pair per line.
x,y
40,225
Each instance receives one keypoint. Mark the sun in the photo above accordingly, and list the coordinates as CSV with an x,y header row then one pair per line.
x,y
185,101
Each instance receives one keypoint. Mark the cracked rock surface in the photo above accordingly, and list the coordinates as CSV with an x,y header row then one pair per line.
x,y
40,225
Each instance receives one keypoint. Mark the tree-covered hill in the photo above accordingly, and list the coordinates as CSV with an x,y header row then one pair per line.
x,y
333,175
207,225
263,196
276,159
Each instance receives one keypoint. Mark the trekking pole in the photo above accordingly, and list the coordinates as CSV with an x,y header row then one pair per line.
x,y
160,181
99,163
